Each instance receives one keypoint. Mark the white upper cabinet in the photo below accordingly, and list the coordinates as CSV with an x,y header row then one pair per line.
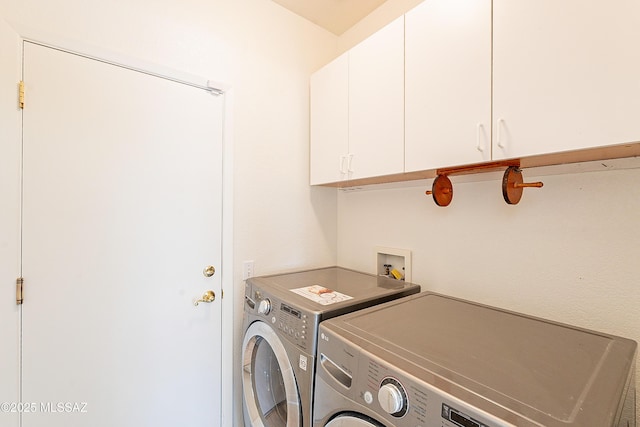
x,y
329,122
357,111
376,103
566,75
448,84
461,82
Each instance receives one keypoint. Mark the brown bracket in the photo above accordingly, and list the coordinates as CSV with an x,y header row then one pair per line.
x,y
512,182
513,185
441,190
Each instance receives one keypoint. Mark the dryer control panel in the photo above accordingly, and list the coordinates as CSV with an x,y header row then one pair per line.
x,y
292,323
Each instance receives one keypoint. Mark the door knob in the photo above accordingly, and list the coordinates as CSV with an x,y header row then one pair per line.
x,y
208,296
209,271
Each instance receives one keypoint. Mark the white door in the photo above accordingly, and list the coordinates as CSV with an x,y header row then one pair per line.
x,y
121,214
9,223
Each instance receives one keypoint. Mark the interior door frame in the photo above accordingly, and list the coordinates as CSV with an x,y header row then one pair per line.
x,y
218,89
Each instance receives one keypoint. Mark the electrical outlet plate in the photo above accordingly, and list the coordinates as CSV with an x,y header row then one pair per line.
x,y
247,269
400,259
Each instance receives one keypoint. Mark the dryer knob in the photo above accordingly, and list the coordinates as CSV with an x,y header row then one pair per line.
x,y
390,398
265,306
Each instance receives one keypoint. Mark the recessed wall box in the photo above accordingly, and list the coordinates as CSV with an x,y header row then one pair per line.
x,y
388,259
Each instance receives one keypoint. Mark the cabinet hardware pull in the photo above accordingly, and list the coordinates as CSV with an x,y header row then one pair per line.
x,y
500,142
479,146
342,159
349,170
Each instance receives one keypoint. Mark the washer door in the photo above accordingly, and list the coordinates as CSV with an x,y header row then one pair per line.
x,y
353,420
270,392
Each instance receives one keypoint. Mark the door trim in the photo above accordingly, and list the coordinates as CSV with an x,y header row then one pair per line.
x,y
217,88
78,47
228,291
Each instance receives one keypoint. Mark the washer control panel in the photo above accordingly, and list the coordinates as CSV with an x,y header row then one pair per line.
x,y
393,397
459,418
390,395
265,306
403,401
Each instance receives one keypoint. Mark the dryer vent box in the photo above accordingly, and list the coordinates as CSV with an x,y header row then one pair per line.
x,y
388,259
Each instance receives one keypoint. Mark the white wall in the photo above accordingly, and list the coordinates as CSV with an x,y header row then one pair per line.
x,y
267,54
568,251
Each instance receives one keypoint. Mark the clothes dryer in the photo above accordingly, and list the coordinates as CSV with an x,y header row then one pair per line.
x,y
281,318
430,360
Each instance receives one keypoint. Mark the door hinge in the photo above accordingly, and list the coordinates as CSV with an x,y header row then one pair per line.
x,y
21,94
19,283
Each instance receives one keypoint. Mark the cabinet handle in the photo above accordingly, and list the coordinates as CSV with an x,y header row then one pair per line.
x,y
349,170
342,160
500,143
479,146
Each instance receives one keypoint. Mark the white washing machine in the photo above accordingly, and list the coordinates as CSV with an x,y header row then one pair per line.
x,y
434,361
281,318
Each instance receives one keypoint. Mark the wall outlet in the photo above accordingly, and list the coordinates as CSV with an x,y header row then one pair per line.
x,y
247,269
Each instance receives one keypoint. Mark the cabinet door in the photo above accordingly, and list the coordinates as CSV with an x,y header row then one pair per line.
x,y
565,75
448,84
329,122
376,103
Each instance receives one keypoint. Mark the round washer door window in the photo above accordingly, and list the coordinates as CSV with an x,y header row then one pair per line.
x,y
353,420
270,392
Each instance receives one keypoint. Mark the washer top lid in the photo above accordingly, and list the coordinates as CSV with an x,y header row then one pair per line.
x,y
544,371
359,287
